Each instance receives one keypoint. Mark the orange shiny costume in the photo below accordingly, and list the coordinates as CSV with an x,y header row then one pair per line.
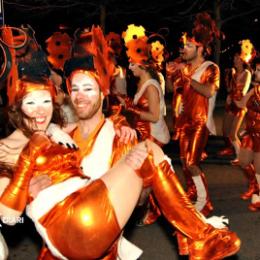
x,y
143,127
251,140
236,94
194,132
198,237
84,224
193,119
86,147
80,216
175,77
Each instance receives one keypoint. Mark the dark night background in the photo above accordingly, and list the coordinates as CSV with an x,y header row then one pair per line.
x,y
237,19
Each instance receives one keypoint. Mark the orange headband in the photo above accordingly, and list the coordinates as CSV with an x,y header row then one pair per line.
x,y
24,87
91,74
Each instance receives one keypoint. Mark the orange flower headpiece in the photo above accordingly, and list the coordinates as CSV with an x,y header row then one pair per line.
x,y
25,85
136,44
97,63
59,49
141,49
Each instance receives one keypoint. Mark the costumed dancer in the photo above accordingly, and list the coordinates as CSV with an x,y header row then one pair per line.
x,y
249,156
200,79
238,81
148,106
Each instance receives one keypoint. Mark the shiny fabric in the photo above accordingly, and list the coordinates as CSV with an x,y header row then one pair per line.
x,y
74,215
176,102
204,241
192,121
253,187
195,104
193,137
143,127
86,222
251,139
85,148
236,94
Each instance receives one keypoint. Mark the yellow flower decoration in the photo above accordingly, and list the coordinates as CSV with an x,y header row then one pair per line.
x,y
157,51
184,38
247,49
133,32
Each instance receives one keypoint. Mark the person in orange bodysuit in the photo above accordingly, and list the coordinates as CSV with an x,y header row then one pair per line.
x,y
238,86
238,81
250,145
148,106
200,81
82,220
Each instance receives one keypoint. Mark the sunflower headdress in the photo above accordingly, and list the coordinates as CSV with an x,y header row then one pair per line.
x,y
140,49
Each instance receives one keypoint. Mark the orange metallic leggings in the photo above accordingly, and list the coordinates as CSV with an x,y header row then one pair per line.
x,y
193,139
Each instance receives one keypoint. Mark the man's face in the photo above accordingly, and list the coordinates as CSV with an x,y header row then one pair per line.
x,y
190,51
257,73
85,95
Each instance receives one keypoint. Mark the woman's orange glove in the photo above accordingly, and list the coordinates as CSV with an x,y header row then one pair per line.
x,y
16,194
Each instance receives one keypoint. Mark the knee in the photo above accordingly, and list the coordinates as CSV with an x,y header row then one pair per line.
x,y
191,166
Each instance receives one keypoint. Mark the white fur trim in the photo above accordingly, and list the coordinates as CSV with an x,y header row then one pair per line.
x,y
218,222
255,199
127,250
98,161
3,248
197,76
50,196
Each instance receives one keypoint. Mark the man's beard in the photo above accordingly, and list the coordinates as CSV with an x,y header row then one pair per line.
x,y
84,115
191,57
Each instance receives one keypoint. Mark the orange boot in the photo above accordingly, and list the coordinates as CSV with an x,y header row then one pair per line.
x,y
255,202
204,241
253,188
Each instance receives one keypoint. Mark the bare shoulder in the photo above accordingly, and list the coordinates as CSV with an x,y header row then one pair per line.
x,y
16,139
11,146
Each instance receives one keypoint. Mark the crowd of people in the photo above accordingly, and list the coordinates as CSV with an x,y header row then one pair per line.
x,y
80,179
